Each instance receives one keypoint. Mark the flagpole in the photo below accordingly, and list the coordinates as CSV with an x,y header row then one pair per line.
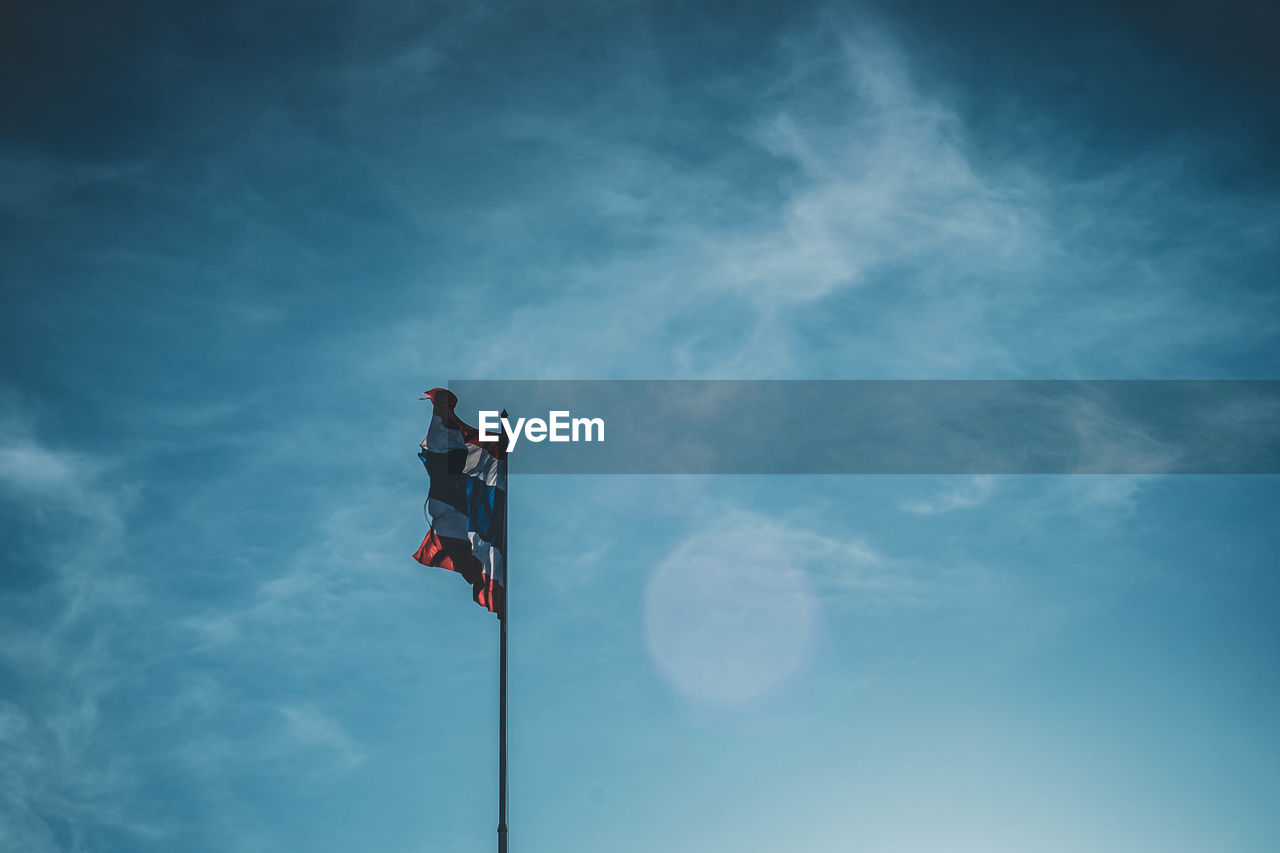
x,y
502,731
502,669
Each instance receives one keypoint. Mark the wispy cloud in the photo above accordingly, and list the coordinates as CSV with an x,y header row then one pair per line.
x,y
58,782
417,204
310,727
971,492
882,179
874,220
44,479
100,623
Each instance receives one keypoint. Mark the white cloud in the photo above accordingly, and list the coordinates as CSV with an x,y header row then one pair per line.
x,y
884,178
58,639
307,726
45,479
971,492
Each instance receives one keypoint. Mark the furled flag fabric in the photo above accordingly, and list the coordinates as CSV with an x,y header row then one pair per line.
x,y
467,502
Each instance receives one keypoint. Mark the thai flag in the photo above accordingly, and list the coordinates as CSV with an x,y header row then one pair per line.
x,y
467,502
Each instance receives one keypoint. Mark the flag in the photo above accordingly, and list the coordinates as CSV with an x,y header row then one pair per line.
x,y
467,502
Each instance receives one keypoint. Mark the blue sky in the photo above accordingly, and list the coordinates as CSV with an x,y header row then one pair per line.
x,y
238,241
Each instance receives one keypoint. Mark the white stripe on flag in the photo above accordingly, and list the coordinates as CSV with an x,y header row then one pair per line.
x,y
446,520
482,466
490,558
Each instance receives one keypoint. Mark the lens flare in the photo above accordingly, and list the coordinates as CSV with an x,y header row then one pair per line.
x,y
727,616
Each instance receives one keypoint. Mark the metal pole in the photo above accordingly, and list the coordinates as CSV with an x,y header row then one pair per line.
x,y
502,736
502,672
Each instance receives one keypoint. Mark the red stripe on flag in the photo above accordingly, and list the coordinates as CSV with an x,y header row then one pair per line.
x,y
448,552
489,596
